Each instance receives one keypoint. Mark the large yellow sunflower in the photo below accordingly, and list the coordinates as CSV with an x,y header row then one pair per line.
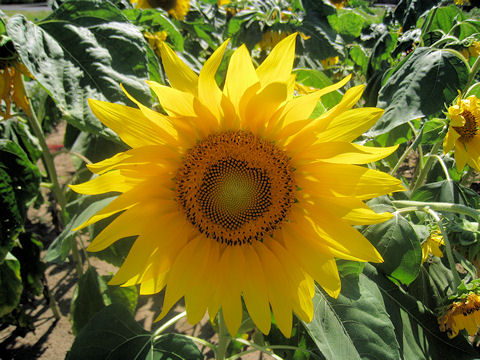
x,y
176,8
237,193
463,133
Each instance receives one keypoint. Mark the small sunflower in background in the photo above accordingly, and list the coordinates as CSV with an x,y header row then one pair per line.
x,y
156,40
461,314
329,62
178,9
431,246
339,4
236,193
12,90
463,132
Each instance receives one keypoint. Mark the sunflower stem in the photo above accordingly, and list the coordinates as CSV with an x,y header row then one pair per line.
x,y
424,171
448,248
466,177
169,323
224,338
473,73
439,206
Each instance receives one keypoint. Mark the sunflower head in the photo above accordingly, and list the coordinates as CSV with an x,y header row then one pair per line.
x,y
462,314
178,9
431,246
236,193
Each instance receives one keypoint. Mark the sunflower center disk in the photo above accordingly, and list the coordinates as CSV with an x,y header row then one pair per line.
x,y
235,188
469,129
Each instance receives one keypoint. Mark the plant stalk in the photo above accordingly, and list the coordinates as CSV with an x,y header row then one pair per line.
x,y
423,173
438,206
448,247
224,338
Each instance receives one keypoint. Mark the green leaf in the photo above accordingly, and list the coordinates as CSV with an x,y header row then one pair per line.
x,y
445,17
419,86
432,131
10,284
318,79
82,208
446,191
354,326
127,296
87,299
347,23
359,57
19,186
397,242
32,268
175,346
113,334
408,12
85,49
415,326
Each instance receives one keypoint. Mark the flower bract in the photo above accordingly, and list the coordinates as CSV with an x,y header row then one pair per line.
x,y
236,194
463,133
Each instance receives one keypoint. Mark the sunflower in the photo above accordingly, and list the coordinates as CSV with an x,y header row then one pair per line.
x,y
329,62
176,8
237,193
155,40
431,246
339,4
11,87
463,134
462,314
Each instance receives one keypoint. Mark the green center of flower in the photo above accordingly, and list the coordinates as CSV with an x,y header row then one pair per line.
x,y
235,188
469,129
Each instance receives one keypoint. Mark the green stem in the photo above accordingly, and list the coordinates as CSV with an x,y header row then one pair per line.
x,y
466,178
47,159
445,170
473,73
224,338
437,206
406,152
429,22
256,347
77,259
169,323
448,247
423,173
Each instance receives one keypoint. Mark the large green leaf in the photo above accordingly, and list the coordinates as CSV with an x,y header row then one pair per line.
x,y
82,209
419,86
87,299
415,326
10,284
85,49
399,245
19,186
354,326
113,334
447,191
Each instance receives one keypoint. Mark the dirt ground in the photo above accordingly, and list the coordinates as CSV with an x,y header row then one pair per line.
x,y
53,338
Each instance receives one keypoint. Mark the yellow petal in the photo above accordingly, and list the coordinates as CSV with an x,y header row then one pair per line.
x,y
350,124
184,272
450,139
130,124
255,291
279,297
161,156
343,153
113,181
351,210
181,77
132,222
240,76
331,235
208,91
175,102
461,155
262,106
348,180
279,63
